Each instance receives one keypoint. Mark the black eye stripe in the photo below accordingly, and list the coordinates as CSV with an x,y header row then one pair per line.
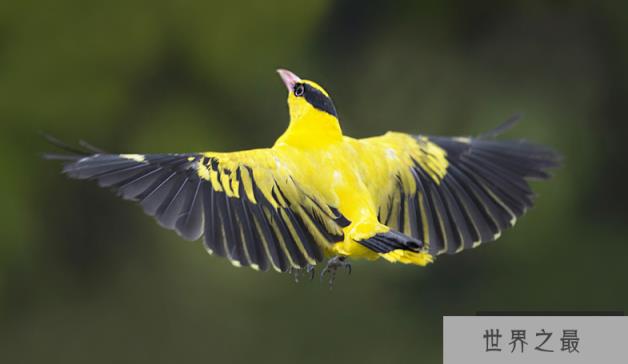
x,y
318,99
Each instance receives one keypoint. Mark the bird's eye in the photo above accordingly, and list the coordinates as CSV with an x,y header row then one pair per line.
x,y
299,90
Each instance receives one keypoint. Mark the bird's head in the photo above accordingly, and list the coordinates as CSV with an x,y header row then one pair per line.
x,y
306,97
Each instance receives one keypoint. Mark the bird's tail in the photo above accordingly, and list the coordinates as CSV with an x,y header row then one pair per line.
x,y
398,247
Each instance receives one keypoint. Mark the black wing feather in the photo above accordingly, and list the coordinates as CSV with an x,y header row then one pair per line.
x,y
190,222
484,190
249,233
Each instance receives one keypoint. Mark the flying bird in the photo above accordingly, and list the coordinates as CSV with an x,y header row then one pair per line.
x,y
318,194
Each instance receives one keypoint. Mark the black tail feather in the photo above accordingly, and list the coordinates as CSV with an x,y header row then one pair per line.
x,y
392,240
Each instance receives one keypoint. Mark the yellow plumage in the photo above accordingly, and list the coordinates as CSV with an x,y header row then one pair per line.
x,y
317,192
350,174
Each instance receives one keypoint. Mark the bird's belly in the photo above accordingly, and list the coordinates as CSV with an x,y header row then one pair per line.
x,y
333,173
344,181
356,204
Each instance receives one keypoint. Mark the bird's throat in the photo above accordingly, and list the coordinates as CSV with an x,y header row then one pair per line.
x,y
312,129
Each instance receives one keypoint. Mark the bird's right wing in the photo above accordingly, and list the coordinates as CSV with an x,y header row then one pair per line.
x,y
453,193
247,205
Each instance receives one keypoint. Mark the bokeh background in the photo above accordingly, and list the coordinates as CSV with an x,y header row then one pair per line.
x,y
87,278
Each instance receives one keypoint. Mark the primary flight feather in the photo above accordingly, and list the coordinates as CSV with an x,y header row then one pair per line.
x,y
317,193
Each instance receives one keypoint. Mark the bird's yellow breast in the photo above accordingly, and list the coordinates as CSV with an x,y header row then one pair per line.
x,y
331,170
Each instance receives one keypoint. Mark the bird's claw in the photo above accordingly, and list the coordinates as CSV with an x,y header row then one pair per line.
x,y
332,266
310,269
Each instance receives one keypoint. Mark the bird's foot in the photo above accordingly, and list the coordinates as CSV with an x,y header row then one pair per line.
x,y
300,272
333,264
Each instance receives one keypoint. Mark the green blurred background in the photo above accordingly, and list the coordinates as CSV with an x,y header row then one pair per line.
x,y
88,278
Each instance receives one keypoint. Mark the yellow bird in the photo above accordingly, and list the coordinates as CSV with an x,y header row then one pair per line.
x,y
317,193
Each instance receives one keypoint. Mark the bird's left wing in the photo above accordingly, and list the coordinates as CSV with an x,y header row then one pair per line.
x,y
247,205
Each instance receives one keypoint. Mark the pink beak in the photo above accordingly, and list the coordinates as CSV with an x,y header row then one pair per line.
x,y
289,79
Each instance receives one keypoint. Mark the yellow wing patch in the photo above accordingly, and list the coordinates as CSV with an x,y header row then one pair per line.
x,y
287,213
396,164
390,157
432,158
